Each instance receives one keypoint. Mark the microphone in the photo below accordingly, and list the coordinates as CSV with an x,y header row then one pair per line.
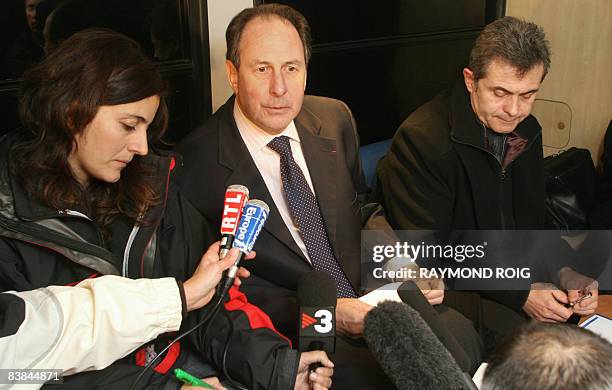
x,y
409,353
317,309
253,217
236,196
412,295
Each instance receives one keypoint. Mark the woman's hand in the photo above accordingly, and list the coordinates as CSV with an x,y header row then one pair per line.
x,y
200,287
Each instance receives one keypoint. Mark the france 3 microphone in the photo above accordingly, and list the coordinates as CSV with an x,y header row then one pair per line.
x,y
236,197
254,215
317,308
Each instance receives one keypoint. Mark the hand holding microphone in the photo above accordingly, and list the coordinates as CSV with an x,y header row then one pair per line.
x,y
200,287
319,379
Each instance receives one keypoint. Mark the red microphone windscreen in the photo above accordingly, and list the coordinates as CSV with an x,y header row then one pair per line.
x,y
236,196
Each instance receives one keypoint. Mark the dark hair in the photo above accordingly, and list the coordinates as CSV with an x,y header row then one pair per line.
x,y
284,12
550,356
60,97
517,42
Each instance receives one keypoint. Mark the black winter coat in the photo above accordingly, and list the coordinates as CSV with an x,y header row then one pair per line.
x,y
438,175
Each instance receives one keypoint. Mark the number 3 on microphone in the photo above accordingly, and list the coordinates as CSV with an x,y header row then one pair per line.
x,y
325,324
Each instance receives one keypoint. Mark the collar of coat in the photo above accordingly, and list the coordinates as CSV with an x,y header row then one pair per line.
x,y
230,157
467,129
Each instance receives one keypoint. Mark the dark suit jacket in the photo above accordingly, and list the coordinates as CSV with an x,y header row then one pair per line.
x,y
215,156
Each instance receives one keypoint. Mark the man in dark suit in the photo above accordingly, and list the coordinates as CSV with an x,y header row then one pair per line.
x,y
299,154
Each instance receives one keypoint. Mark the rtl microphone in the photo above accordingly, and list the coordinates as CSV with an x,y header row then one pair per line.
x,y
410,294
317,309
236,197
407,350
254,216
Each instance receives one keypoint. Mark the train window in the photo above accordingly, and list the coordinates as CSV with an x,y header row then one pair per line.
x,y
386,58
42,24
173,32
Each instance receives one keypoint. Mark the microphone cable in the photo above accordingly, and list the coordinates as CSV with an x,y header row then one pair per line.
x,y
208,318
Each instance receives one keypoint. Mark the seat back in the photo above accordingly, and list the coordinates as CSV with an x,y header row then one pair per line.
x,y
370,154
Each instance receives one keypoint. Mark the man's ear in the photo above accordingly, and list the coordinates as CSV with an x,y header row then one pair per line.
x,y
468,77
232,75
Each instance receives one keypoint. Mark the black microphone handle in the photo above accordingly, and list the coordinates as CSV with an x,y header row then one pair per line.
x,y
227,280
226,244
315,346
413,297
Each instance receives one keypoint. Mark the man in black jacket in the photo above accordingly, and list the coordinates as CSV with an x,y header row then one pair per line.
x,y
472,158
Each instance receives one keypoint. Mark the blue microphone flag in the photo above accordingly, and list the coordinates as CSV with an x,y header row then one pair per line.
x,y
254,215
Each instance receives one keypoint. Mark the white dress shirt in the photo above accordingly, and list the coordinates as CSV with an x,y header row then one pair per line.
x,y
268,164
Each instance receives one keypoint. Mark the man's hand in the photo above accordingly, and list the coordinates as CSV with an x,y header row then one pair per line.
x,y
213,381
200,288
350,316
576,286
545,303
432,289
320,379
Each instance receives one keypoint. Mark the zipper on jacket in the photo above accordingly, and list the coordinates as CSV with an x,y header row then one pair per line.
x,y
73,213
491,154
502,175
128,246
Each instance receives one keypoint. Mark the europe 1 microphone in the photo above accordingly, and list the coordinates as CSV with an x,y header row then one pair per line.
x,y
317,313
254,215
236,197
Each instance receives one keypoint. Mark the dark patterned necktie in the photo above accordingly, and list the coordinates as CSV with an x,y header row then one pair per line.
x,y
307,216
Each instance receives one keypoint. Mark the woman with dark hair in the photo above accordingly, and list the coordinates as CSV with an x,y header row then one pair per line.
x,y
81,196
